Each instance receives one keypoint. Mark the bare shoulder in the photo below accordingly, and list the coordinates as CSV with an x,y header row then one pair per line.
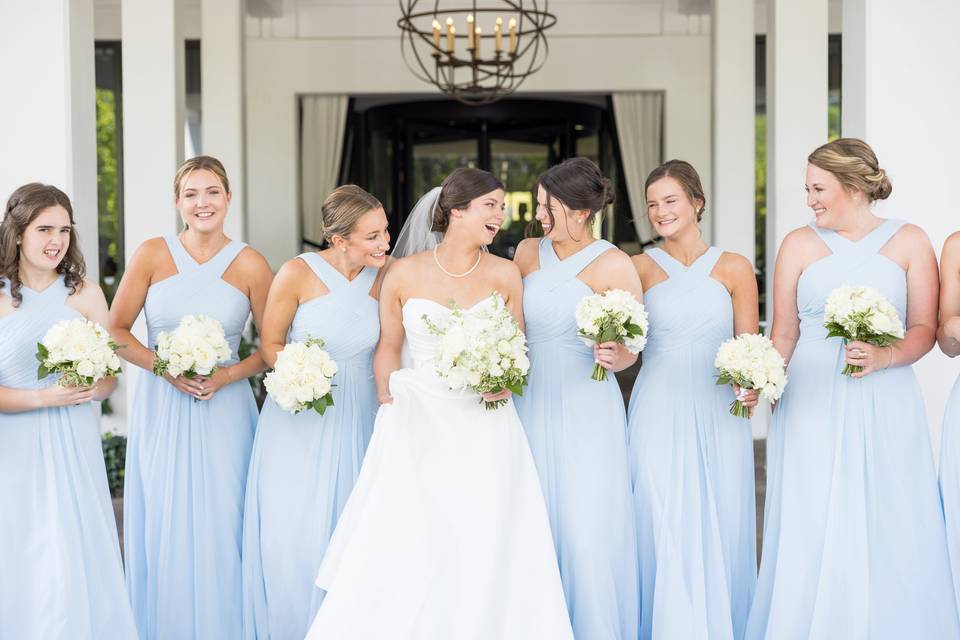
x,y
913,234
614,258
800,237
399,271
735,265
89,299
251,262
952,244
642,262
293,269
150,252
527,253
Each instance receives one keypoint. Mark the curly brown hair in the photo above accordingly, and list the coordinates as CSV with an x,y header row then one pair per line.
x,y
23,207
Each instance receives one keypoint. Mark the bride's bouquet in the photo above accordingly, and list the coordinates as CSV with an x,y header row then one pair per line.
x,y
79,350
484,350
751,362
301,377
195,348
612,316
863,314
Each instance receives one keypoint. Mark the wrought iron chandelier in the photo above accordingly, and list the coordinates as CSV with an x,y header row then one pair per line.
x,y
475,52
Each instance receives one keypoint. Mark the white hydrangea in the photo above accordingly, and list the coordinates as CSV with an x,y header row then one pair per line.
x,y
81,351
861,313
482,349
751,362
195,348
612,316
302,377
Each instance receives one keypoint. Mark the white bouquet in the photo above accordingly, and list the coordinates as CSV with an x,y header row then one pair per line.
x,y
483,349
79,350
301,377
612,316
861,313
750,362
194,348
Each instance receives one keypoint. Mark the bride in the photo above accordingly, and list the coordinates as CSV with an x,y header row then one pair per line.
x,y
446,533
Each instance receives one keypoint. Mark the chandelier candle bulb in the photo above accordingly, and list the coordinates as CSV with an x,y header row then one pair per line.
x,y
512,26
470,31
436,34
451,33
476,41
498,34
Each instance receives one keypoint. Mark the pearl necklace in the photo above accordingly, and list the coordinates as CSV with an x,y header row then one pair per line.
x,y
457,275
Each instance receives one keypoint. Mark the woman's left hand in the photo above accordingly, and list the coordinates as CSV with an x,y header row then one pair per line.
x,y
209,385
493,397
613,356
870,357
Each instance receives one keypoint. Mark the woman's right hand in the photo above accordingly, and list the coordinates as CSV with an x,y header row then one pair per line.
x,y
185,385
385,399
57,396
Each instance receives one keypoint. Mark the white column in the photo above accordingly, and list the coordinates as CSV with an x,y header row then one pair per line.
x,y
48,109
900,94
796,114
222,95
153,116
732,208
153,121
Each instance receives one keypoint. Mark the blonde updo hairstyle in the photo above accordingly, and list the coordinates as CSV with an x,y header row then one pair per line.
x,y
342,209
855,166
207,163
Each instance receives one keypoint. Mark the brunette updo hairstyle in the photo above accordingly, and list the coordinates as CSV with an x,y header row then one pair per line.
x,y
23,207
456,192
855,166
342,209
688,178
579,185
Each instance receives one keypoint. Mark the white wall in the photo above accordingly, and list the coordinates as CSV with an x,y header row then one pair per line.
x,y
354,49
904,101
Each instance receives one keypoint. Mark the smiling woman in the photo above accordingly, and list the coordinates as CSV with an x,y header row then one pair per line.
x,y
190,438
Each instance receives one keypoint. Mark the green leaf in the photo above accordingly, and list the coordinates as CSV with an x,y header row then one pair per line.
x,y
42,372
635,330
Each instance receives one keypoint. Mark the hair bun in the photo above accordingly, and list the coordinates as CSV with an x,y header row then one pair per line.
x,y
883,187
609,193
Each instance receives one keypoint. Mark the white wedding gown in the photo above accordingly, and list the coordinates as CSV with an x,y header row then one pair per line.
x,y
445,536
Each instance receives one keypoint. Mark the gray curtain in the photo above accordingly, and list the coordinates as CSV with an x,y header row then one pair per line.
x,y
639,118
321,145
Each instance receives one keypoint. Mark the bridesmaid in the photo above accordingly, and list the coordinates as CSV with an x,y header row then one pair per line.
x,y
854,542
190,440
692,462
305,465
948,335
60,570
576,426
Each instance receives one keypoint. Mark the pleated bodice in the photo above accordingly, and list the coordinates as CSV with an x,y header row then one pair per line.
x,y
197,289
21,330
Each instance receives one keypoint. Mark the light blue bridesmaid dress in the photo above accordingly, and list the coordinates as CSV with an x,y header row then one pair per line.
x,y
950,481
577,432
304,466
186,471
692,464
60,570
853,543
